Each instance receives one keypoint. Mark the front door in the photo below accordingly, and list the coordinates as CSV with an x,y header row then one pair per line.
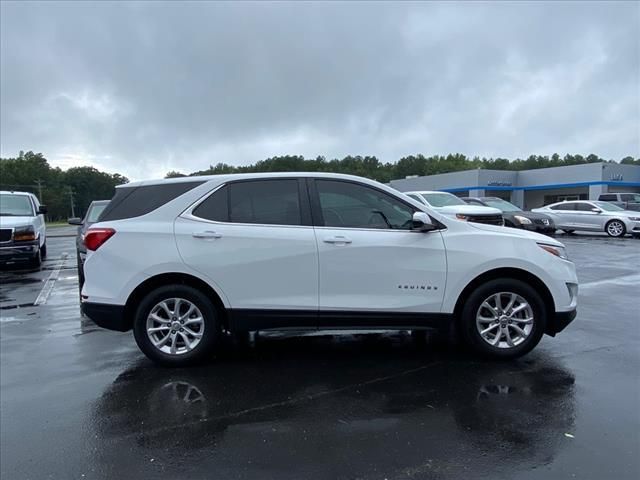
x,y
370,259
254,241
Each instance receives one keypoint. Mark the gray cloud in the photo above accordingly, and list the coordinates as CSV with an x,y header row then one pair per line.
x,y
142,88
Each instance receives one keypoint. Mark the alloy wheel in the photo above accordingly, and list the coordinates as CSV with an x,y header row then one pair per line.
x,y
175,326
615,228
504,320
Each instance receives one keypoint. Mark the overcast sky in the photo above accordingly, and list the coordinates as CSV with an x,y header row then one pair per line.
x,y
143,88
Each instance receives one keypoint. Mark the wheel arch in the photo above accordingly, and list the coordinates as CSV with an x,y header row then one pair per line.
x,y
515,273
163,279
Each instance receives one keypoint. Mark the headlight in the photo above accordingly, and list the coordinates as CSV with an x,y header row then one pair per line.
x,y
522,220
635,219
461,216
24,234
554,250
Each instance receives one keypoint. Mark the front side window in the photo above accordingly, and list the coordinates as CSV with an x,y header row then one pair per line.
x,y
350,205
267,202
15,206
627,197
585,207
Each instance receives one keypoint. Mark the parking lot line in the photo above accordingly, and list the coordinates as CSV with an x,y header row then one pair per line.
x,y
48,285
621,280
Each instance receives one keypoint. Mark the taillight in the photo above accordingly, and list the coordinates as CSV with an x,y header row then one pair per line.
x,y
95,237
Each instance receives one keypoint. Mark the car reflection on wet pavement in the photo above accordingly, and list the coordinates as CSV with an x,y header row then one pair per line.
x,y
81,402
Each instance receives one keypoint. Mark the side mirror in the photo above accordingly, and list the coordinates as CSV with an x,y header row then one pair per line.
x,y
42,210
422,222
596,210
74,221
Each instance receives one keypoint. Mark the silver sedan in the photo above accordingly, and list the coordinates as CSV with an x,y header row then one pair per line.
x,y
593,216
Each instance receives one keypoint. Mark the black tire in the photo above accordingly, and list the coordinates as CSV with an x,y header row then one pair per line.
x,y
43,250
36,262
210,335
623,230
80,272
473,338
568,232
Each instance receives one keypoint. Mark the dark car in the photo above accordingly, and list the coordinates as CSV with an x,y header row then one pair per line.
x,y
514,216
93,213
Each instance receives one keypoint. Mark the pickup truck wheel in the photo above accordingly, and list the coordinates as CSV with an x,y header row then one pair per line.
x,y
176,325
615,228
36,262
503,318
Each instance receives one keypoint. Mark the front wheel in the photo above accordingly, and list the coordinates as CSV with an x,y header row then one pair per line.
x,y
615,228
176,325
503,318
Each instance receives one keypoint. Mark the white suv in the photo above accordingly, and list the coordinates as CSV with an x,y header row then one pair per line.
x,y
185,261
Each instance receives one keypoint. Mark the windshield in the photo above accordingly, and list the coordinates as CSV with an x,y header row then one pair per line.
x,y
94,213
608,207
502,205
442,199
15,205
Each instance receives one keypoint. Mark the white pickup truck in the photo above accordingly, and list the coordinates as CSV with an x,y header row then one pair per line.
x,y
23,235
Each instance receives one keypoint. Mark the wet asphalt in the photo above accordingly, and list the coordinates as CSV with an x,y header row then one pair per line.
x,y
77,401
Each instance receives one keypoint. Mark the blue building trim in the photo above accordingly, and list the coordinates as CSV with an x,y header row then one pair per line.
x,y
542,187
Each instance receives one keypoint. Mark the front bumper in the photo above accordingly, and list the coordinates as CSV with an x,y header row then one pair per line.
x,y
106,315
559,322
19,252
539,228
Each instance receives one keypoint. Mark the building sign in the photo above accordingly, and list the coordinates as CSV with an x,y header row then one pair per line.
x,y
498,183
616,177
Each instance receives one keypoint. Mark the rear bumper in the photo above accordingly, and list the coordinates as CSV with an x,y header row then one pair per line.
x,y
106,316
15,253
559,321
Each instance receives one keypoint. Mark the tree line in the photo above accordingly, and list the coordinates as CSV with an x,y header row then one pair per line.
x,y
57,189
371,167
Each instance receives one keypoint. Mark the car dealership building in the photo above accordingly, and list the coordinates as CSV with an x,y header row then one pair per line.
x,y
532,188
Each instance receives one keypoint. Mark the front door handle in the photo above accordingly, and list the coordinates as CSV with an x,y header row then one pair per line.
x,y
337,240
207,235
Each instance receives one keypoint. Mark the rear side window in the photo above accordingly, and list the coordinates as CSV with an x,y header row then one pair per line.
x,y
267,202
564,206
129,202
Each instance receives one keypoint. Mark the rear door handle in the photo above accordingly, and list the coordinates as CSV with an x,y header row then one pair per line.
x,y
338,240
207,235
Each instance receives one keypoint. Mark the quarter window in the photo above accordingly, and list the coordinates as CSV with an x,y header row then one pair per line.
x,y
267,202
349,205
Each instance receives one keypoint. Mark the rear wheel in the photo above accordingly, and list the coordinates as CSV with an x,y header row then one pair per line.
x,y
615,228
176,325
503,318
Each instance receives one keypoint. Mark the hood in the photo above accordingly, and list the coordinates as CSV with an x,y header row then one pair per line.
x,y
11,222
516,232
468,210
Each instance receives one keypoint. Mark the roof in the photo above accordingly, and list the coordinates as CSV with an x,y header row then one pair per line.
x,y
240,176
13,192
426,191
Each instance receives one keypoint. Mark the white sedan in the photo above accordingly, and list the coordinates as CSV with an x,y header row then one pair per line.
x,y
593,216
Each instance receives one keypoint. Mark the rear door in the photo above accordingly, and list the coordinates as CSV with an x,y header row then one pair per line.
x,y
563,215
254,241
370,261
